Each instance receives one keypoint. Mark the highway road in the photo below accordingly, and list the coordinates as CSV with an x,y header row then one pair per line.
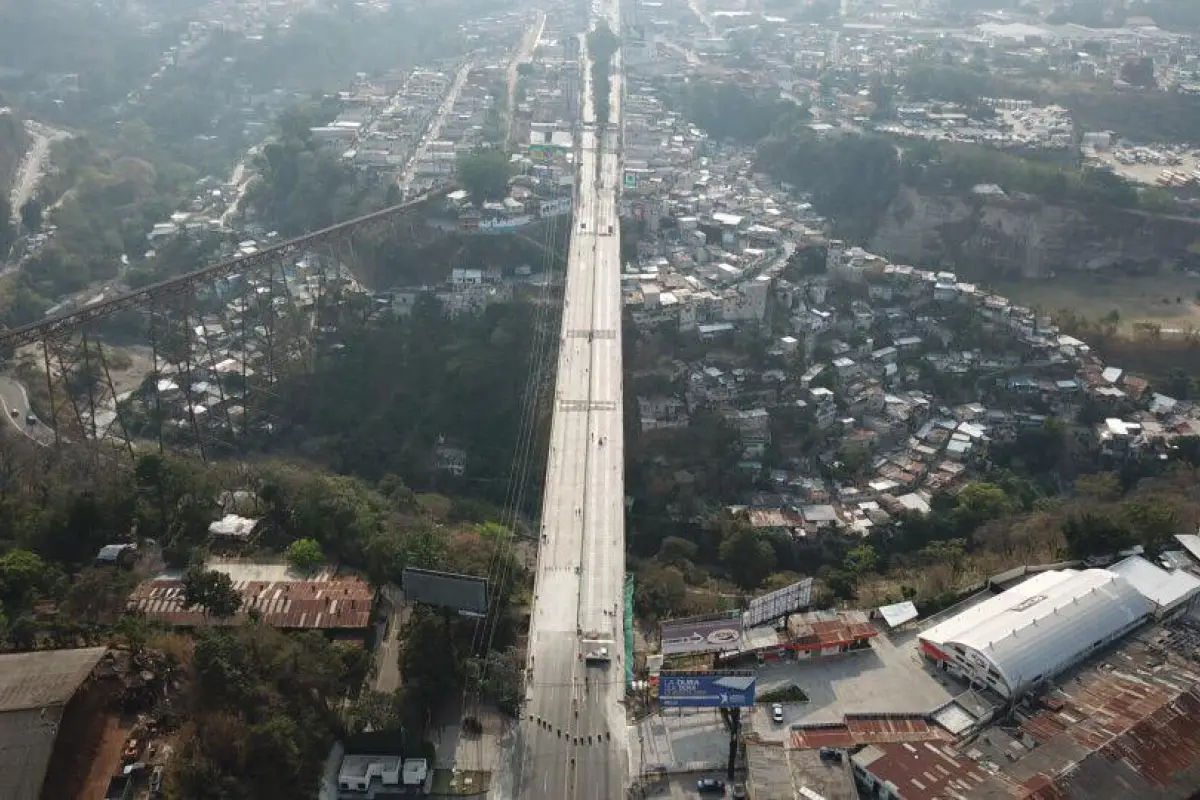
x,y
572,739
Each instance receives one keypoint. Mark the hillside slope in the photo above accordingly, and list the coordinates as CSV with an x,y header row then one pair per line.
x,y
993,238
13,143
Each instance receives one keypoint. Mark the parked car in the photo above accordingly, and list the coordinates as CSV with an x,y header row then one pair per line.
x,y
831,754
710,786
738,792
777,713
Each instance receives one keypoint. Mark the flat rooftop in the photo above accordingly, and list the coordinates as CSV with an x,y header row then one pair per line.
x,y
779,773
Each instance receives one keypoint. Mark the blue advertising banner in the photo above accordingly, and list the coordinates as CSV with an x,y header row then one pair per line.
x,y
706,689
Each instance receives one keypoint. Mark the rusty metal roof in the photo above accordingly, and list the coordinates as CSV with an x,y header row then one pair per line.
x,y
333,603
858,730
1134,722
929,770
828,628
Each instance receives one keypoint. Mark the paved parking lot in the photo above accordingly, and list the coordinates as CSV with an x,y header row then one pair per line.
x,y
889,678
676,738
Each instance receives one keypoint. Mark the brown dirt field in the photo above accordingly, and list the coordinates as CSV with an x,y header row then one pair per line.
x,y
107,761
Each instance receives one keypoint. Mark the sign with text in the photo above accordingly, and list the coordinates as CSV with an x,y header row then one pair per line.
x,y
706,689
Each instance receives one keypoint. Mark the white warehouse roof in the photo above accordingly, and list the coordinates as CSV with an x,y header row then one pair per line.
x,y
1165,589
1043,625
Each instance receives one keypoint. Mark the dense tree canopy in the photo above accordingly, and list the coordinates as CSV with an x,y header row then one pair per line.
x,y
262,712
302,186
485,175
726,110
850,177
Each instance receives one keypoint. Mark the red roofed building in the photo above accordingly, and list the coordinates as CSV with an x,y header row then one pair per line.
x,y
809,635
925,771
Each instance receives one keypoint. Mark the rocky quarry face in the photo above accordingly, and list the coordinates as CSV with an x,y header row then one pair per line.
x,y
989,238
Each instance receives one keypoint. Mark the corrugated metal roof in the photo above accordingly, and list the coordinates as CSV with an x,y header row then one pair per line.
x,y
1146,731
44,678
1164,589
828,628
337,603
928,770
866,730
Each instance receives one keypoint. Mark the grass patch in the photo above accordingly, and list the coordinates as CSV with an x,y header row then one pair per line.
x,y
785,694
463,783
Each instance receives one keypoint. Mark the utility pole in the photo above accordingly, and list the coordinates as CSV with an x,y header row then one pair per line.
x,y
735,726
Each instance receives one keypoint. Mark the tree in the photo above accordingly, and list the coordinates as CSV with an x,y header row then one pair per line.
x,y
1101,487
1089,534
676,550
25,578
500,676
747,554
260,702
376,711
1153,520
950,552
659,592
1139,72
862,560
305,555
213,591
842,584
485,175
979,502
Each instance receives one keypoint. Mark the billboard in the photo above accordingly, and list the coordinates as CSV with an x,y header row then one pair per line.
x,y
716,633
706,689
466,594
778,603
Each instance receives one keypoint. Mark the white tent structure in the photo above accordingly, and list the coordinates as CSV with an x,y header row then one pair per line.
x,y
1038,628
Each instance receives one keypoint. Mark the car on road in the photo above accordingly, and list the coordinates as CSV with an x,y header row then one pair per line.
x,y
777,712
710,786
30,419
16,413
738,792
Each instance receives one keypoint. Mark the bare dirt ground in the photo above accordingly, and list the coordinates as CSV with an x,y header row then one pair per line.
x,y
1166,300
107,761
129,366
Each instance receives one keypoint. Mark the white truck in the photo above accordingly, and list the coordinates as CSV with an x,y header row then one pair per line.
x,y
597,651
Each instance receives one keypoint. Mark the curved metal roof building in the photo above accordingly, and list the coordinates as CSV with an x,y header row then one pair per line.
x,y
1038,628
